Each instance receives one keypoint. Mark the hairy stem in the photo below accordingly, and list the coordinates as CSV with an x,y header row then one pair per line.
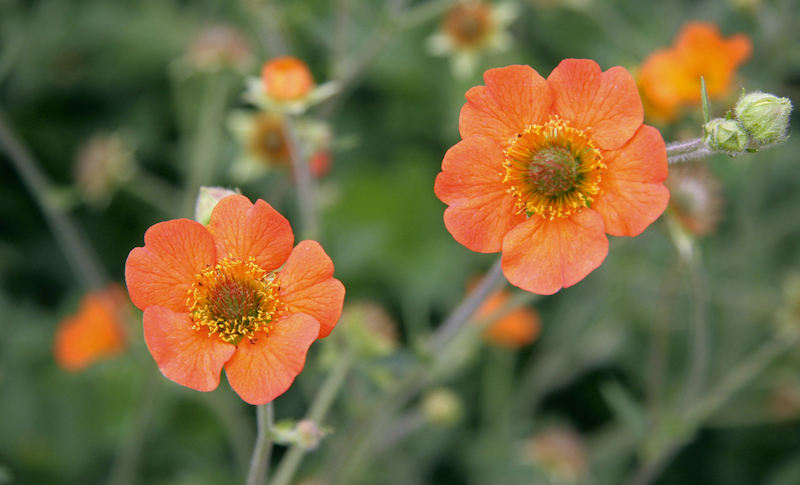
x,y
317,412
259,464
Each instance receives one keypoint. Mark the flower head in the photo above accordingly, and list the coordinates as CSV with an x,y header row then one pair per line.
x,y
233,294
670,78
96,332
265,144
469,29
547,167
286,85
102,164
287,78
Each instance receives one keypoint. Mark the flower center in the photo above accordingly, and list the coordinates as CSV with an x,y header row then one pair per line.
x,y
234,299
554,169
468,24
268,141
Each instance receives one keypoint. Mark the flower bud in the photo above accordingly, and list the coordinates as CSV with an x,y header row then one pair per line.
x,y
726,136
443,407
765,116
207,199
369,330
102,164
304,433
559,452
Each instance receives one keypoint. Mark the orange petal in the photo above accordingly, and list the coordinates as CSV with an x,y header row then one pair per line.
x,y
481,210
513,98
705,52
542,255
606,105
189,357
162,272
264,368
243,230
308,286
94,333
633,195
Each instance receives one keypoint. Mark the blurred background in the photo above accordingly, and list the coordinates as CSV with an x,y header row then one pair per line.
x,y
675,362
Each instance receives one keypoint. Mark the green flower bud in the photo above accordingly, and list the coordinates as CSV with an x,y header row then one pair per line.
x,y
765,116
207,199
727,136
369,330
442,407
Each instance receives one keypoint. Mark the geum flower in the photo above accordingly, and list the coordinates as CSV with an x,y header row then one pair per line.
x,y
547,167
669,79
233,294
95,332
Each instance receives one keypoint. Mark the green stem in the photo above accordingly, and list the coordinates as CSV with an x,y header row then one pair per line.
x,y
713,400
200,170
71,240
699,345
259,464
462,314
305,184
126,462
317,412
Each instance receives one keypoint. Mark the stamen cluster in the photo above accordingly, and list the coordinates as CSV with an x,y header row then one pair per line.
x,y
554,169
234,299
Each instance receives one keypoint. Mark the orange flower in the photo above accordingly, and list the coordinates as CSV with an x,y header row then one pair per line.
x,y
287,78
670,78
233,294
516,329
94,333
547,167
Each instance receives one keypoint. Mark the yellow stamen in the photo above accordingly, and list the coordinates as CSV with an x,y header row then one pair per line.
x,y
234,299
554,169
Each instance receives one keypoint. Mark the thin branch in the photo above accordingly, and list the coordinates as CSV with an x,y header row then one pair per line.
x,y
73,243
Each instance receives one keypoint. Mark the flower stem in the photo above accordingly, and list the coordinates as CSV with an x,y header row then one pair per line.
x,y
129,453
713,400
700,348
687,151
461,315
206,140
259,464
317,412
305,184
76,248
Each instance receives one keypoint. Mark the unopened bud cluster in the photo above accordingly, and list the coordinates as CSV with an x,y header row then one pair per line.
x,y
760,120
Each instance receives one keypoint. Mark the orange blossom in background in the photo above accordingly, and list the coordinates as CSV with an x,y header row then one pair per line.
x,y
547,167
95,332
518,328
233,294
670,78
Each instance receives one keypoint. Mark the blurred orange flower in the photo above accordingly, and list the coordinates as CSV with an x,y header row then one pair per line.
x,y
287,78
547,167
516,329
670,78
95,332
254,303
